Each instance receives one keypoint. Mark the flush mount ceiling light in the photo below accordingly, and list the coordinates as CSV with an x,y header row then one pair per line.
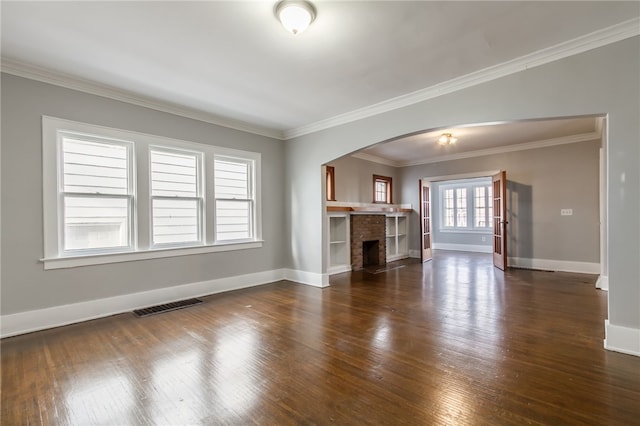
x,y
447,139
295,15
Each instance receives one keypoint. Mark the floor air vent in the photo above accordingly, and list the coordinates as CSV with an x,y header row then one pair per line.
x,y
151,310
524,268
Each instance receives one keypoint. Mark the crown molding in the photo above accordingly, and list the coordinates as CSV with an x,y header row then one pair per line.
x,y
582,137
600,125
23,69
603,37
376,159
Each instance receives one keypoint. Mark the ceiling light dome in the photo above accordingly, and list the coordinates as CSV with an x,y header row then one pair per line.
x,y
447,139
295,15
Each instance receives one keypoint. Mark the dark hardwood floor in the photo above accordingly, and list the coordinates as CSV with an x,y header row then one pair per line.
x,y
454,341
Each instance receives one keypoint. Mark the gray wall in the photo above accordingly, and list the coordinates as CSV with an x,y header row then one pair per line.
x,y
26,285
354,179
438,236
600,81
540,182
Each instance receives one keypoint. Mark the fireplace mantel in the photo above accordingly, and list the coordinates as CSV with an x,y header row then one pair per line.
x,y
368,208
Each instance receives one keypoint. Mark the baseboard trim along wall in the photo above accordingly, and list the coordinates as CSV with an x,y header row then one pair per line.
x,y
308,278
26,322
622,339
338,269
463,247
555,265
603,282
521,262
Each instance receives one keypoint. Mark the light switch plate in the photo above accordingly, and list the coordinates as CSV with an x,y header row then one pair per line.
x,y
566,212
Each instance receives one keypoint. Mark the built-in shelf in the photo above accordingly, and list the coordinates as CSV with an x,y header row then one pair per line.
x,y
397,244
339,250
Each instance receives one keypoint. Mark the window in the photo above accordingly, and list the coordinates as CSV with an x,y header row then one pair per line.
x,y
466,205
95,194
234,199
176,196
455,207
331,183
112,195
483,214
382,189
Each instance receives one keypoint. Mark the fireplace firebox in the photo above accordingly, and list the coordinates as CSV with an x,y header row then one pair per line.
x,y
370,253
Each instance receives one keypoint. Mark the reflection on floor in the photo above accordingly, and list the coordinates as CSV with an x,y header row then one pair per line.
x,y
453,341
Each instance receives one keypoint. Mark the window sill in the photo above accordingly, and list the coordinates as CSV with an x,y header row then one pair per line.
x,y
101,259
466,231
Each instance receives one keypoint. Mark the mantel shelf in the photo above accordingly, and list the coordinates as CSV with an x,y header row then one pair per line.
x,y
357,209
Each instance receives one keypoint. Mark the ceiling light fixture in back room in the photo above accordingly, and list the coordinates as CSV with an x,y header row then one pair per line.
x,y
447,139
295,15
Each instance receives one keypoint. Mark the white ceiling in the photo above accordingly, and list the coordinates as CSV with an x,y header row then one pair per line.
x,y
483,139
233,60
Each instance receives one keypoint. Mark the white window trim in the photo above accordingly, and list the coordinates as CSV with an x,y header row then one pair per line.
x,y
131,195
252,200
53,258
471,229
200,198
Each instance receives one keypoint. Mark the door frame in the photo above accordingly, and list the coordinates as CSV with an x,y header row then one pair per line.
x,y
602,127
426,253
499,221
431,179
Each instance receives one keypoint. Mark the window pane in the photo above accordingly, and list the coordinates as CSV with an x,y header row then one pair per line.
x,y
234,217
233,220
175,221
489,204
461,207
95,222
449,218
232,179
480,202
94,167
381,191
174,174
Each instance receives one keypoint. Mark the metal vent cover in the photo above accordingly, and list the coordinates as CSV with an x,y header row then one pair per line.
x,y
166,307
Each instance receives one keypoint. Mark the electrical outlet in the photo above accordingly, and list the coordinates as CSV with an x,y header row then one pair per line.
x,y
484,239
566,212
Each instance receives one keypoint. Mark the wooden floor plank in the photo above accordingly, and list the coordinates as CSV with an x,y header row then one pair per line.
x,y
452,341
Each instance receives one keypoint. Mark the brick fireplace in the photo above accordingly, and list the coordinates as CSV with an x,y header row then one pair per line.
x,y
368,233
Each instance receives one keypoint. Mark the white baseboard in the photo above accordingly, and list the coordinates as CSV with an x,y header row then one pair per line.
x,y
622,339
463,247
397,257
339,269
26,322
308,278
603,283
414,254
555,265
